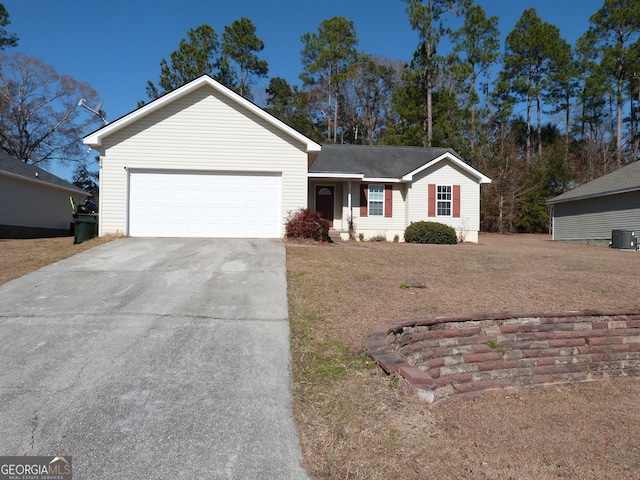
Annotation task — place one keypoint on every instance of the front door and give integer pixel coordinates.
(324, 202)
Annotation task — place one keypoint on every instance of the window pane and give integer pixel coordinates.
(376, 193)
(444, 200)
(444, 192)
(444, 209)
(376, 199)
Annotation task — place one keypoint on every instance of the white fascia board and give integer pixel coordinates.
(94, 140)
(468, 168)
(384, 180)
(353, 176)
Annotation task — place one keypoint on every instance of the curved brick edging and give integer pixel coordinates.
(449, 356)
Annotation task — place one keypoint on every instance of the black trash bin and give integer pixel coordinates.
(86, 227)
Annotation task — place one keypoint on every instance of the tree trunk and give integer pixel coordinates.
(539, 129)
(335, 120)
(501, 213)
(634, 116)
(429, 110)
(529, 100)
(429, 96)
(328, 114)
(619, 126)
(567, 126)
(473, 109)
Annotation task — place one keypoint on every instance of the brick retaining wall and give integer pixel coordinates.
(450, 356)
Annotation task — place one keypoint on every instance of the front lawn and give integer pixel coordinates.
(354, 422)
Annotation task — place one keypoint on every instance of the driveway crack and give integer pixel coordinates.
(33, 430)
(36, 414)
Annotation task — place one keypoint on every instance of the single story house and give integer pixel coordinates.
(384, 189)
(589, 213)
(33, 202)
(202, 161)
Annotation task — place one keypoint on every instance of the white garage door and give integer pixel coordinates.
(188, 204)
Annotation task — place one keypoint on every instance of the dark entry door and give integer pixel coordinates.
(324, 202)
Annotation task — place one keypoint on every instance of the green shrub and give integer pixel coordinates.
(430, 232)
(307, 224)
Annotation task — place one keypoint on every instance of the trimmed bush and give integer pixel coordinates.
(430, 232)
(307, 224)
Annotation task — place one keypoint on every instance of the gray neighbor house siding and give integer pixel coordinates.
(588, 213)
(33, 202)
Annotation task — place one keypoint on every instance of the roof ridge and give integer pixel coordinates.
(14, 166)
(618, 181)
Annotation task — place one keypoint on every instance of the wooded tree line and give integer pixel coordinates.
(535, 114)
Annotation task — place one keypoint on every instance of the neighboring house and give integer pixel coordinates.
(589, 213)
(385, 189)
(33, 202)
(202, 161)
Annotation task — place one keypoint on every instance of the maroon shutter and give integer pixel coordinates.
(456, 201)
(432, 200)
(388, 201)
(364, 200)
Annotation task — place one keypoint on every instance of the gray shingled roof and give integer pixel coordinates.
(625, 179)
(374, 161)
(11, 165)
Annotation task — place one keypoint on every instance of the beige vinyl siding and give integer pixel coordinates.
(595, 218)
(202, 131)
(380, 222)
(379, 225)
(446, 173)
(27, 203)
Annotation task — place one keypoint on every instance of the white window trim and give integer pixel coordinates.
(369, 199)
(438, 186)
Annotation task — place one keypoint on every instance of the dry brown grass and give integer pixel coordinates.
(18, 257)
(353, 421)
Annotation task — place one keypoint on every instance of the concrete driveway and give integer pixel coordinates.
(152, 358)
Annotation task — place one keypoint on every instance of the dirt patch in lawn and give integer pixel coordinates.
(18, 257)
(354, 422)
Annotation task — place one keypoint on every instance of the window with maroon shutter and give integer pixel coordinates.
(456, 201)
(364, 199)
(388, 201)
(432, 200)
(444, 201)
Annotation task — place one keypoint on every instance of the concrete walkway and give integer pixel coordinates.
(152, 358)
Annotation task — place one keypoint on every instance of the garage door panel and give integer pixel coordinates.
(181, 204)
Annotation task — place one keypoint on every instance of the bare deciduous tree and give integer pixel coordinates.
(39, 116)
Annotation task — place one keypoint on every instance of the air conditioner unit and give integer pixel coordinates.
(625, 239)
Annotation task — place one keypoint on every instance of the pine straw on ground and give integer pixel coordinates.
(352, 419)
